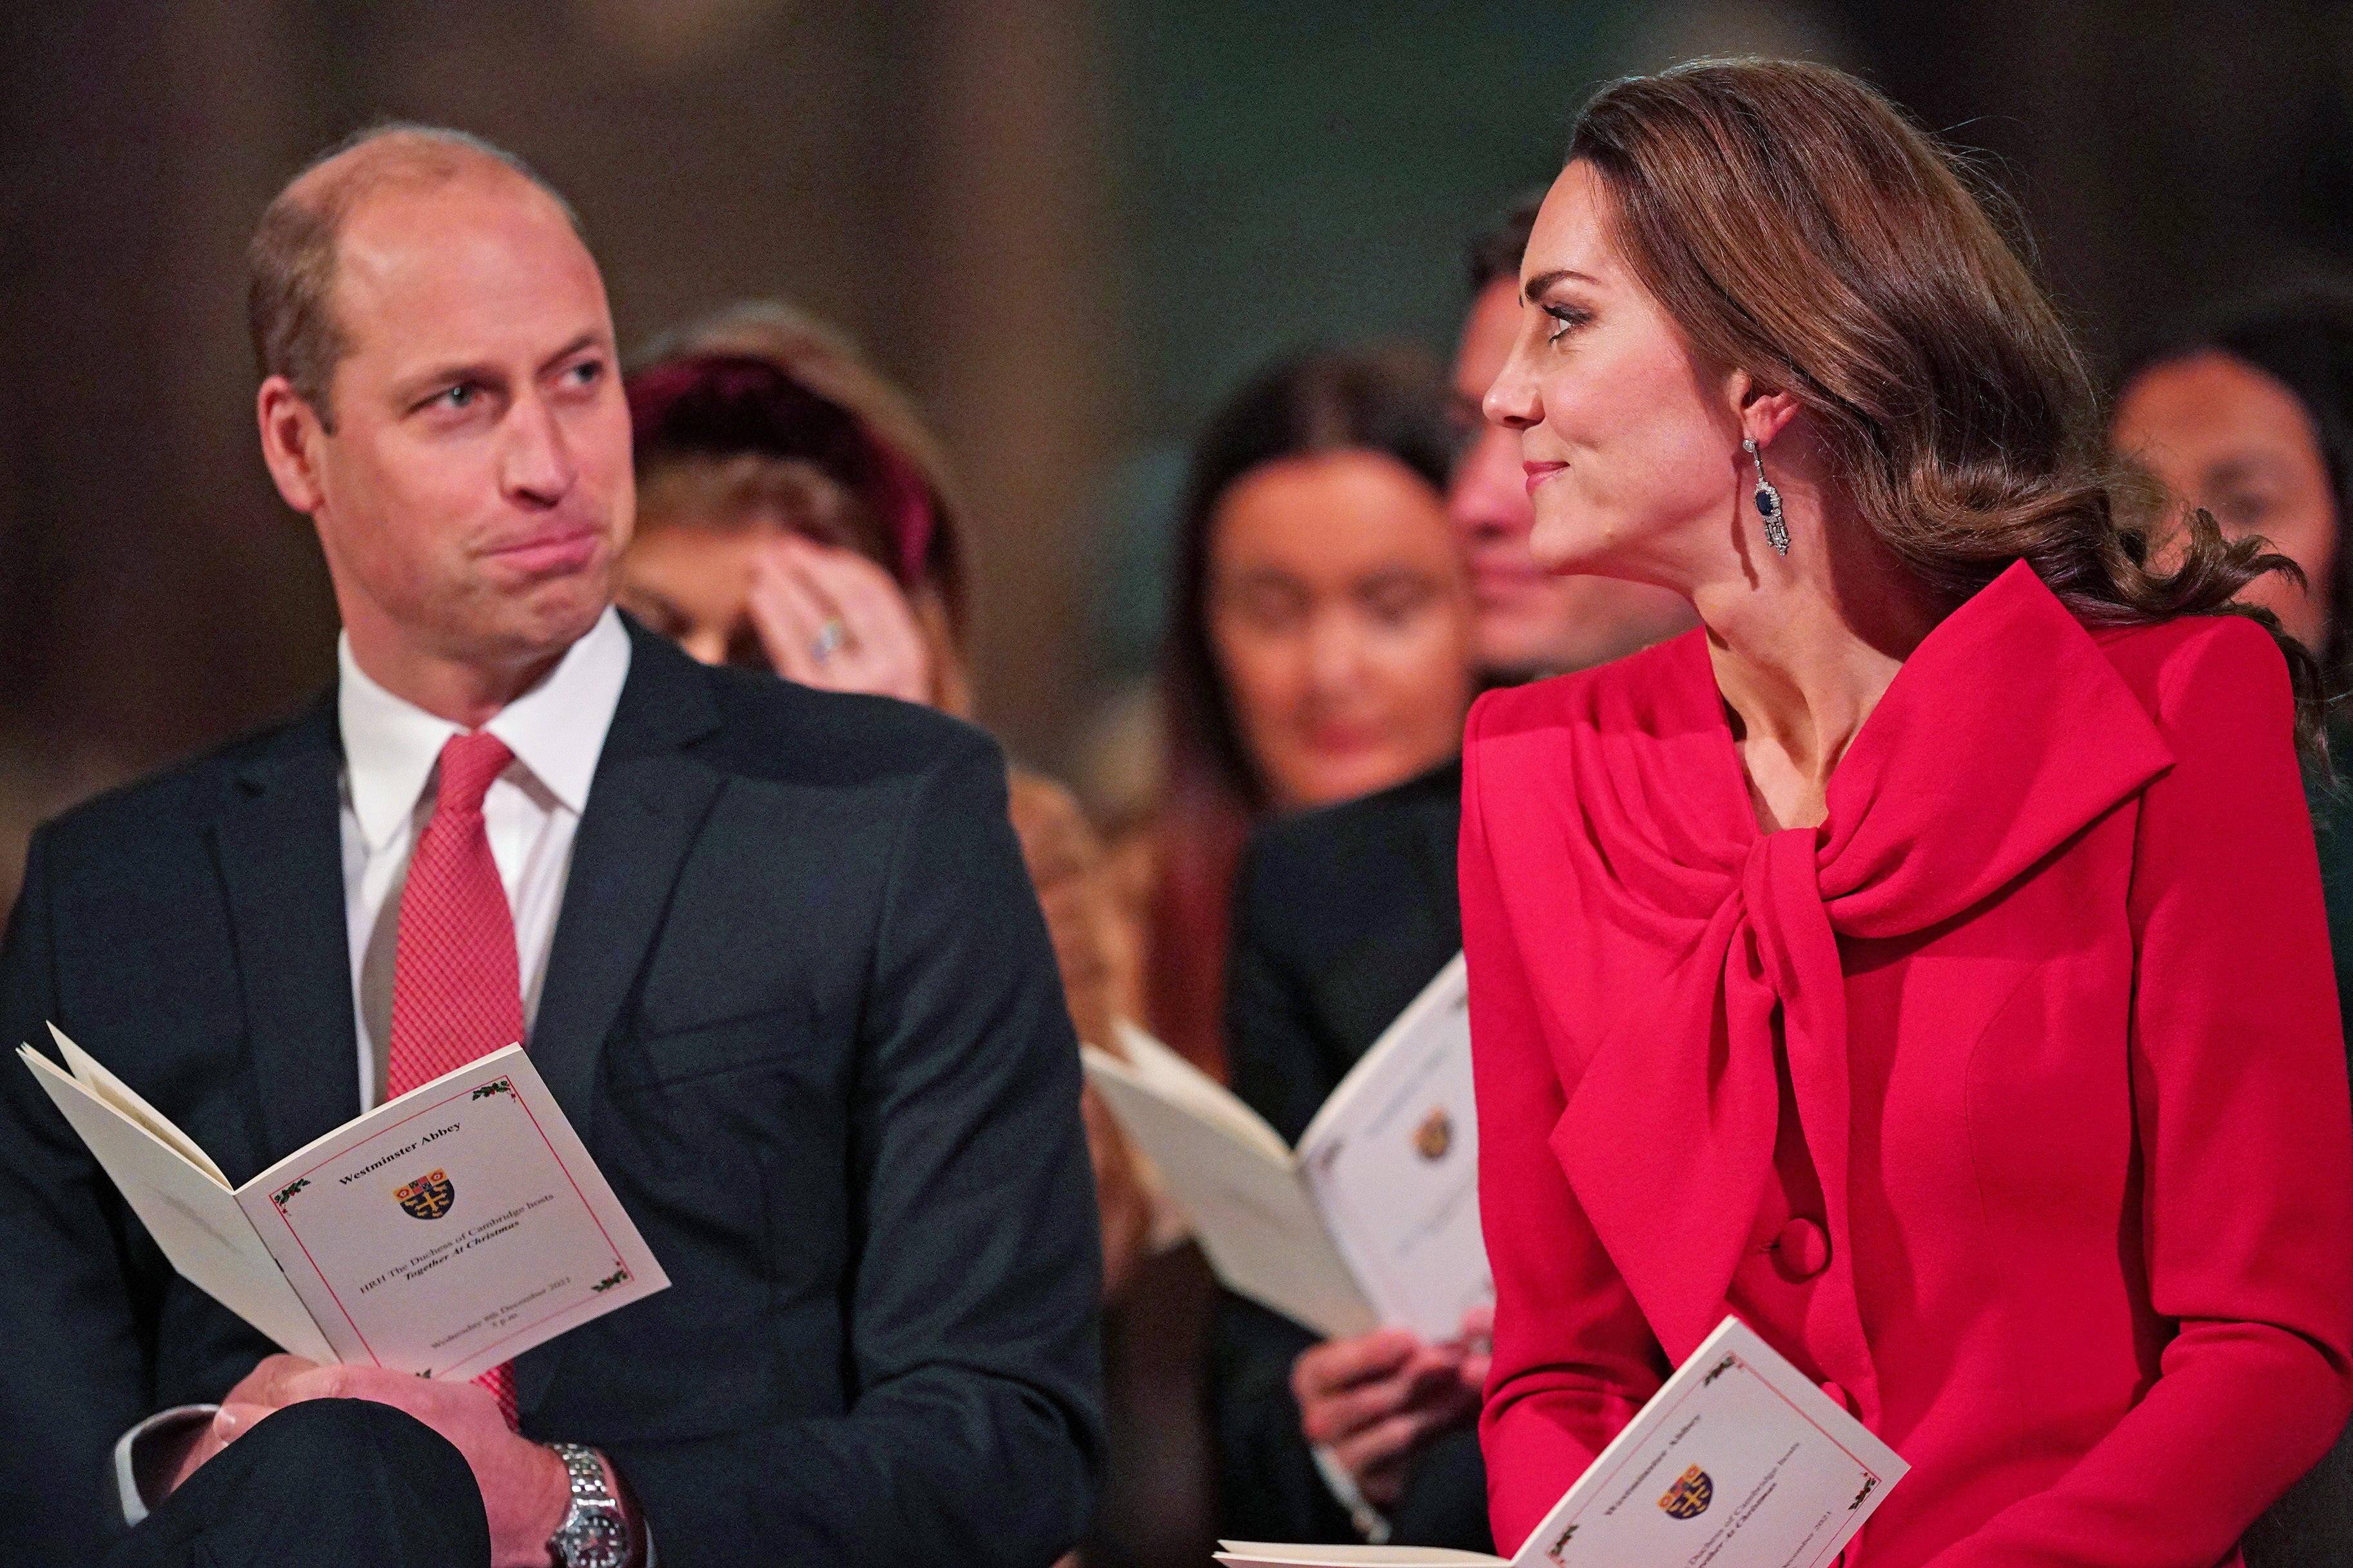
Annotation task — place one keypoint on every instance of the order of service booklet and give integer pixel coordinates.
(1374, 1219)
(1738, 1461)
(442, 1232)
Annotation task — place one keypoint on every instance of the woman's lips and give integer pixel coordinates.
(1539, 473)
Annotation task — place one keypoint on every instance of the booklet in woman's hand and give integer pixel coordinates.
(440, 1234)
(1738, 1461)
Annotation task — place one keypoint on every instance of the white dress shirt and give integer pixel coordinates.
(392, 749)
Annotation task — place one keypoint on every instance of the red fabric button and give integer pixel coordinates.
(1803, 1249)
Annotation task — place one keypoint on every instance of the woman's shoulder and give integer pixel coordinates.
(1606, 697)
(2188, 661)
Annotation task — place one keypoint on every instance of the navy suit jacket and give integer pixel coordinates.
(801, 1007)
(1341, 917)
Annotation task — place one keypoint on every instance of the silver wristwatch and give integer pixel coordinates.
(593, 1533)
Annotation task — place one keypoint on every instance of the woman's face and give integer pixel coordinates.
(2234, 440)
(692, 582)
(1341, 621)
(1630, 449)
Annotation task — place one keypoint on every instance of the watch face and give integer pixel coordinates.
(593, 1539)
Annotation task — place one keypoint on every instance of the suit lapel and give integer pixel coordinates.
(278, 841)
(644, 807)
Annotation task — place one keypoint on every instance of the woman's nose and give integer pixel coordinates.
(1511, 401)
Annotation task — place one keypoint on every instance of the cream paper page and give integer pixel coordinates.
(192, 1217)
(452, 1229)
(1737, 1462)
(1738, 1459)
(1393, 1161)
(1250, 1206)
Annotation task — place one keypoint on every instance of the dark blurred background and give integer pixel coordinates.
(1070, 226)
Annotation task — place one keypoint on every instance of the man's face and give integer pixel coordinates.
(1529, 622)
(476, 490)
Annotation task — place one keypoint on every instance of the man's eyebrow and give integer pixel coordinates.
(1544, 280)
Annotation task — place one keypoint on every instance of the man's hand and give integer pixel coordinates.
(1376, 1400)
(525, 1489)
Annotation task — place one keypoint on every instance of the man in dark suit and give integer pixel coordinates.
(772, 949)
(1341, 917)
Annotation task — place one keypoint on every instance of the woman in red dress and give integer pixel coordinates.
(1924, 959)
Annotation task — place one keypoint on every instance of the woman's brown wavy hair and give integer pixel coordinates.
(1796, 224)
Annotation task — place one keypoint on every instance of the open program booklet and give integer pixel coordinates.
(1738, 1461)
(440, 1234)
(1373, 1220)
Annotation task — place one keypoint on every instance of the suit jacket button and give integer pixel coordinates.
(1803, 1249)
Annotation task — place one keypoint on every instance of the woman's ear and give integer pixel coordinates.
(1762, 410)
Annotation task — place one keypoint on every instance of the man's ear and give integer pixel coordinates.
(292, 433)
(1762, 410)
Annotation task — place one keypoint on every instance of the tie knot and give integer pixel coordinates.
(469, 764)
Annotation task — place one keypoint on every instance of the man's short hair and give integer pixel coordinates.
(1496, 250)
(290, 265)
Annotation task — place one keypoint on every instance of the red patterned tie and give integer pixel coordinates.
(456, 988)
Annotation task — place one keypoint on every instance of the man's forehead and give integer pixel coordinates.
(472, 264)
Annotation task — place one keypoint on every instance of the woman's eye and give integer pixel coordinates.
(1565, 319)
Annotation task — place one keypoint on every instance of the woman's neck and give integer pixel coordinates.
(1803, 650)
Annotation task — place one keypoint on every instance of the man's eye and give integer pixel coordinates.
(586, 373)
(462, 395)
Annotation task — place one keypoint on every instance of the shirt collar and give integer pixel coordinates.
(556, 730)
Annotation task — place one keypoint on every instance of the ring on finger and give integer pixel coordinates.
(829, 639)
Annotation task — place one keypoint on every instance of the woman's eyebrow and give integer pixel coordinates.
(1542, 281)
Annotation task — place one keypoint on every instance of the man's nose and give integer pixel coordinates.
(537, 468)
(1489, 494)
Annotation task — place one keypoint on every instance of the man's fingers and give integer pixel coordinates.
(1335, 1417)
(1381, 1446)
(1336, 1365)
(231, 1422)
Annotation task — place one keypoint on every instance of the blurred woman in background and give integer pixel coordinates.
(1320, 647)
(2248, 413)
(795, 515)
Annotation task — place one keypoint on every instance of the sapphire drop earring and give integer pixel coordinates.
(1768, 504)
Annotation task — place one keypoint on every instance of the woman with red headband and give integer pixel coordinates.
(794, 514)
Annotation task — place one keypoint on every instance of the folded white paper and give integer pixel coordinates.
(440, 1234)
(1737, 1462)
(1373, 1220)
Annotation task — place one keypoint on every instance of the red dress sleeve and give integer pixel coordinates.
(1574, 1358)
(2246, 1144)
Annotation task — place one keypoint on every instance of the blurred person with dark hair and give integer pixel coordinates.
(795, 514)
(1319, 647)
(1320, 653)
(2247, 411)
(1924, 958)
(772, 947)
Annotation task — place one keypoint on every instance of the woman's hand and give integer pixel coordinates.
(832, 618)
